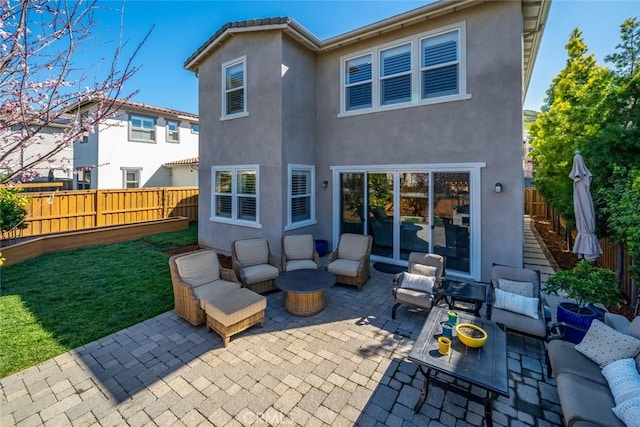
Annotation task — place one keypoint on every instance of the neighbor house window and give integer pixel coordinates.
(195, 128)
(423, 69)
(142, 128)
(301, 197)
(235, 195)
(234, 99)
(84, 179)
(131, 177)
(173, 131)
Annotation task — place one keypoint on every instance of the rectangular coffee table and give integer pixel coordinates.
(484, 367)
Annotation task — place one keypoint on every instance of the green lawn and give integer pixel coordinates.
(57, 302)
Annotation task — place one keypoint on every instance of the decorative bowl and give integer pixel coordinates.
(471, 335)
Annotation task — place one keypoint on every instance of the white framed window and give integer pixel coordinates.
(173, 131)
(301, 205)
(234, 94)
(131, 177)
(236, 195)
(195, 128)
(423, 69)
(84, 179)
(142, 128)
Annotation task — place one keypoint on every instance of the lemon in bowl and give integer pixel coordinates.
(471, 335)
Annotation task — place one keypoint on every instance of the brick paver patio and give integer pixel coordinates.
(344, 366)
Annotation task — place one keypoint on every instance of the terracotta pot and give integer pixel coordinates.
(575, 315)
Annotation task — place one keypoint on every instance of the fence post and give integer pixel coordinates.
(99, 208)
(165, 202)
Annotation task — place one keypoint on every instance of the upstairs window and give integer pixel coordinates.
(234, 102)
(195, 128)
(423, 69)
(440, 65)
(395, 75)
(235, 195)
(142, 128)
(301, 205)
(173, 131)
(358, 83)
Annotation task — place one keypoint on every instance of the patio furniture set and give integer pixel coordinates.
(598, 379)
(230, 300)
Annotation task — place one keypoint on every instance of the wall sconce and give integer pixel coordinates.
(498, 188)
(325, 183)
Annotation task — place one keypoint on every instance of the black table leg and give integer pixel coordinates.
(425, 390)
(488, 408)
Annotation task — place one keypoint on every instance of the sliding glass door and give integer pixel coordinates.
(408, 211)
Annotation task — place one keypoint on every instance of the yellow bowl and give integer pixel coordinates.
(468, 340)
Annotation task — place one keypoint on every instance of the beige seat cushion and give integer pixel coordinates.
(520, 322)
(301, 264)
(214, 290)
(352, 247)
(299, 247)
(236, 306)
(413, 297)
(259, 273)
(252, 252)
(344, 267)
(199, 268)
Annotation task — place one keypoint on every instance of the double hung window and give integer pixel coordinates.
(301, 205)
(422, 69)
(84, 179)
(195, 128)
(173, 131)
(142, 128)
(234, 99)
(131, 177)
(235, 195)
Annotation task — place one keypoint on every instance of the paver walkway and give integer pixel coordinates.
(345, 366)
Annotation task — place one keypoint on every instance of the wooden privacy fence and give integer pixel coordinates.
(60, 211)
(534, 205)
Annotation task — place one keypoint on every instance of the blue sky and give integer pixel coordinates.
(182, 26)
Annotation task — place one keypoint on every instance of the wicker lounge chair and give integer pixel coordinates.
(350, 262)
(299, 252)
(254, 264)
(198, 277)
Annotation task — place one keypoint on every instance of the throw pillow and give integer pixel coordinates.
(425, 270)
(521, 288)
(623, 379)
(517, 303)
(629, 412)
(418, 282)
(605, 345)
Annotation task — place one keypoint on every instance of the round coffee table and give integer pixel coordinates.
(305, 290)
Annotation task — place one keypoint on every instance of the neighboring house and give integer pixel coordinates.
(401, 129)
(131, 149)
(184, 173)
(56, 168)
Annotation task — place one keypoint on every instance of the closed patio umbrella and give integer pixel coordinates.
(586, 244)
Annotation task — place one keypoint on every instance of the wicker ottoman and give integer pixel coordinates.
(236, 311)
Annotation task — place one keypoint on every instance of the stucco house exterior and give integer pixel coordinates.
(130, 149)
(184, 172)
(408, 129)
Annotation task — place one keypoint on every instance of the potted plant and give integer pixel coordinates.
(587, 285)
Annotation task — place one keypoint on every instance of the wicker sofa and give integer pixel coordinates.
(585, 396)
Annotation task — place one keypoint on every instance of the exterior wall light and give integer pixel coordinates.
(325, 183)
(498, 188)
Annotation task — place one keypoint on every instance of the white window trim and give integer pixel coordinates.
(416, 98)
(223, 88)
(381, 78)
(311, 221)
(124, 170)
(195, 132)
(130, 129)
(234, 196)
(166, 135)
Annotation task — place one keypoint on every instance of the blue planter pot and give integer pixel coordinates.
(567, 313)
(322, 247)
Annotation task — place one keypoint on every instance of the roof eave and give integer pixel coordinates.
(532, 35)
